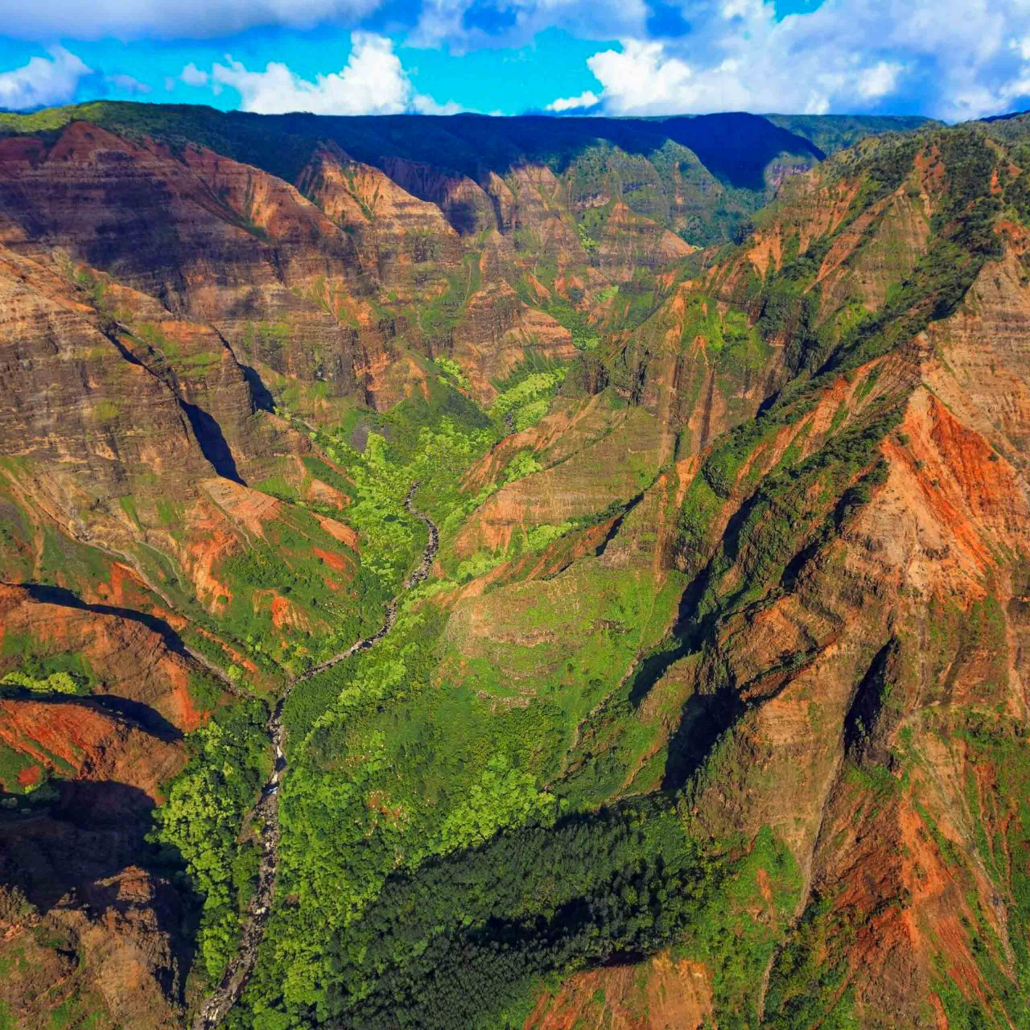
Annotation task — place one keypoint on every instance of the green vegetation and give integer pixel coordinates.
(453, 369)
(963, 239)
(807, 981)
(529, 902)
(833, 132)
(438, 319)
(106, 410)
(198, 827)
(54, 683)
(735, 945)
(526, 398)
(294, 561)
(503, 796)
(61, 673)
(459, 943)
(15, 767)
(997, 742)
(381, 476)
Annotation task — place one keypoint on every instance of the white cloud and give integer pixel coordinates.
(958, 59)
(879, 80)
(644, 78)
(373, 82)
(422, 104)
(193, 76)
(127, 84)
(42, 82)
(185, 19)
(585, 99)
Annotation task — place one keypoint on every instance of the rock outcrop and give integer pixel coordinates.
(89, 921)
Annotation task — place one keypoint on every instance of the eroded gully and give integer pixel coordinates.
(266, 812)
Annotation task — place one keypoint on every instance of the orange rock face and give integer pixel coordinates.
(661, 993)
(88, 745)
(132, 660)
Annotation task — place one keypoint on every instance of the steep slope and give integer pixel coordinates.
(400, 238)
(92, 923)
(212, 240)
(849, 667)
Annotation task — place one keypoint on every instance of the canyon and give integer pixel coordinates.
(686, 461)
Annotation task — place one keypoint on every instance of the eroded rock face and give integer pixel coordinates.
(397, 235)
(151, 299)
(136, 658)
(118, 412)
(845, 700)
(597, 458)
(211, 239)
(466, 205)
(92, 747)
(90, 917)
(661, 992)
(987, 346)
(200, 232)
(631, 242)
(110, 952)
(498, 332)
(84, 905)
(72, 392)
(325, 282)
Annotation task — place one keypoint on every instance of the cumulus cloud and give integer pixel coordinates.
(586, 99)
(42, 82)
(961, 58)
(373, 82)
(879, 80)
(185, 19)
(422, 104)
(193, 76)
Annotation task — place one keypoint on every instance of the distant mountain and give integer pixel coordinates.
(833, 132)
(1010, 116)
(699, 176)
(648, 161)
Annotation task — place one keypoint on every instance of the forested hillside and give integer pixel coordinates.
(522, 573)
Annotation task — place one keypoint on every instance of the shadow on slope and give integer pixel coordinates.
(735, 147)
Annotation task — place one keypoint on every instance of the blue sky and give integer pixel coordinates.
(951, 59)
